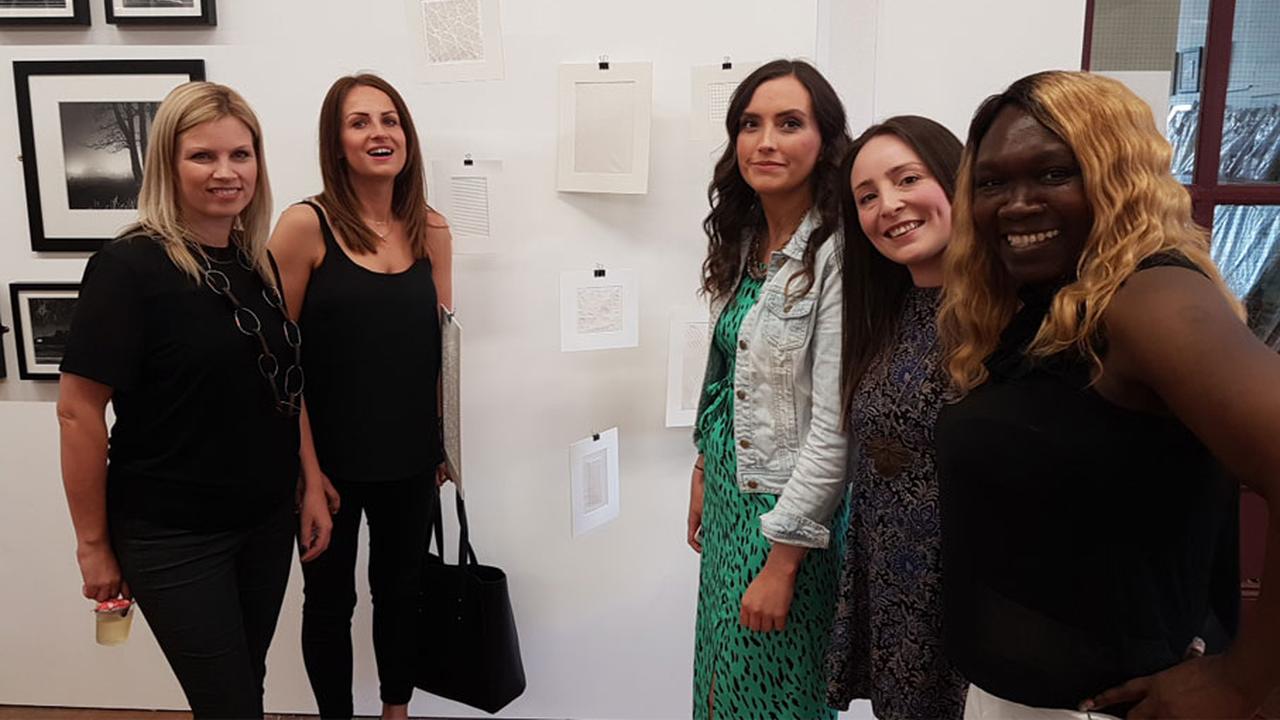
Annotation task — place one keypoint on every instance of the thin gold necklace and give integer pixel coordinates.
(375, 224)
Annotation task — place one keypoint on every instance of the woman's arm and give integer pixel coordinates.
(298, 246)
(1170, 331)
(82, 425)
(801, 517)
(812, 494)
(440, 245)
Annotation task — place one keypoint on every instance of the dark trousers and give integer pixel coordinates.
(212, 600)
(397, 514)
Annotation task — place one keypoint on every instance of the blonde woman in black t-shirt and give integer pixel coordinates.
(366, 267)
(188, 508)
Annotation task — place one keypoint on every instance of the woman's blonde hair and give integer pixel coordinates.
(160, 214)
(1139, 210)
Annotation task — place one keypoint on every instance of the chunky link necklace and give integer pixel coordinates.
(288, 404)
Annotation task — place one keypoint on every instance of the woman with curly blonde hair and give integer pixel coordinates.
(1110, 395)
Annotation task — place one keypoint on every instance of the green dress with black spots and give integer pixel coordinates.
(776, 675)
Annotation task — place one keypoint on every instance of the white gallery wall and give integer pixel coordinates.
(606, 619)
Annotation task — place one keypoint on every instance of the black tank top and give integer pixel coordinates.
(1084, 544)
(372, 361)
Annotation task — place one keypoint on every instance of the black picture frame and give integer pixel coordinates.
(41, 341)
(81, 202)
(206, 13)
(40, 16)
(1187, 71)
(4, 330)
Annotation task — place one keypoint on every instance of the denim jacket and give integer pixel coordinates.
(786, 407)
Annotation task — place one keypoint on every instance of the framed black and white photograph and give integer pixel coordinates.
(42, 322)
(44, 12)
(83, 126)
(162, 12)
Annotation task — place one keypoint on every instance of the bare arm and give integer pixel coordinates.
(440, 245)
(1173, 334)
(298, 247)
(82, 428)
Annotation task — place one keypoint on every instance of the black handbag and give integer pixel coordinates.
(468, 650)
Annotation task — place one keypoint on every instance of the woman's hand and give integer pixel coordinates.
(694, 530)
(768, 599)
(1202, 687)
(100, 572)
(442, 474)
(319, 502)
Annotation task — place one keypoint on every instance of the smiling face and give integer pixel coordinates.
(778, 138)
(217, 175)
(901, 207)
(373, 141)
(1029, 199)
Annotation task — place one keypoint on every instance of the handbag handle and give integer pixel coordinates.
(466, 554)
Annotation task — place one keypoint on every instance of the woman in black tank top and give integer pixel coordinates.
(1089, 529)
(366, 265)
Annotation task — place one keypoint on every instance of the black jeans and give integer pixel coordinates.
(397, 514)
(212, 600)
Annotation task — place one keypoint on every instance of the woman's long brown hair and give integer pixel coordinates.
(735, 209)
(408, 199)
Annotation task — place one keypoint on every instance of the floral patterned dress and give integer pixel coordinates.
(886, 642)
(742, 673)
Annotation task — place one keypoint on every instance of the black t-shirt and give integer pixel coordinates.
(197, 441)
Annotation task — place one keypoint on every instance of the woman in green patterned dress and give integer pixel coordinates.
(761, 510)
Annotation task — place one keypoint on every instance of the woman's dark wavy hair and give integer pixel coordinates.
(735, 208)
(875, 287)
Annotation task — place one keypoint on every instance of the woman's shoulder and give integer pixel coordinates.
(301, 216)
(137, 246)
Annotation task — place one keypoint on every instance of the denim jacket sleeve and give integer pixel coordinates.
(809, 499)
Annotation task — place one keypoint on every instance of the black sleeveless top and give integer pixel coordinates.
(1084, 544)
(372, 360)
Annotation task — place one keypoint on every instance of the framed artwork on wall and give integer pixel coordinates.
(162, 12)
(1187, 71)
(4, 330)
(42, 321)
(44, 12)
(83, 128)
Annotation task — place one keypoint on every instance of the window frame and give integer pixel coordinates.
(1207, 193)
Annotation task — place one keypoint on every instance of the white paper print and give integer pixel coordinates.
(687, 346)
(593, 481)
(608, 108)
(470, 205)
(718, 96)
(452, 29)
(466, 195)
(460, 39)
(604, 127)
(595, 494)
(713, 87)
(599, 312)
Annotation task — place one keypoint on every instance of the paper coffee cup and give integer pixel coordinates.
(113, 620)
